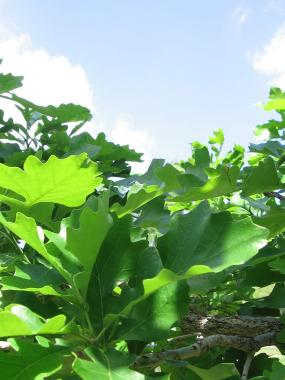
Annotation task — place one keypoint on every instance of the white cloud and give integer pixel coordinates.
(141, 140)
(240, 14)
(49, 79)
(53, 79)
(270, 60)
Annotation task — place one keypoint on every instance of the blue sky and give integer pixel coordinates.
(172, 70)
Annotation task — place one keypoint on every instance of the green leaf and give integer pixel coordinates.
(213, 239)
(154, 215)
(261, 178)
(205, 282)
(260, 274)
(64, 113)
(34, 278)
(151, 286)
(272, 129)
(152, 319)
(278, 265)
(111, 151)
(273, 220)
(271, 147)
(262, 292)
(270, 351)
(202, 156)
(100, 149)
(278, 370)
(148, 179)
(276, 100)
(64, 181)
(138, 196)
(218, 372)
(168, 175)
(218, 137)
(222, 183)
(84, 236)
(275, 299)
(43, 214)
(31, 361)
(118, 261)
(27, 230)
(8, 260)
(18, 320)
(9, 82)
(106, 365)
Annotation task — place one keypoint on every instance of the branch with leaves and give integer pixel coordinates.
(101, 261)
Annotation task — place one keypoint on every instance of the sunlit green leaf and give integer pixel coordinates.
(82, 236)
(31, 361)
(107, 365)
(137, 197)
(213, 239)
(26, 228)
(218, 372)
(261, 178)
(224, 182)
(153, 318)
(18, 320)
(66, 181)
(273, 220)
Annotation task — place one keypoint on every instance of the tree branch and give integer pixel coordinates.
(243, 326)
(241, 343)
(246, 366)
(274, 194)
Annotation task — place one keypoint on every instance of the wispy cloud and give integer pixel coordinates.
(276, 6)
(241, 14)
(270, 59)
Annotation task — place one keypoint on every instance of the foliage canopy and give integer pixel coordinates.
(106, 274)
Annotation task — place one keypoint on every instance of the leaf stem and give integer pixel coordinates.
(13, 241)
(84, 311)
(101, 333)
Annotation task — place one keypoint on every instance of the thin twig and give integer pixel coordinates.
(13, 241)
(247, 364)
(180, 338)
(274, 194)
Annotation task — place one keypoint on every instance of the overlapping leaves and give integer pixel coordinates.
(97, 264)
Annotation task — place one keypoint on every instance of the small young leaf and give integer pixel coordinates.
(9, 82)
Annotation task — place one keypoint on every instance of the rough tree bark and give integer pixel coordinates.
(234, 325)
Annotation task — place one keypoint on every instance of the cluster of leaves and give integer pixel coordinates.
(99, 265)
